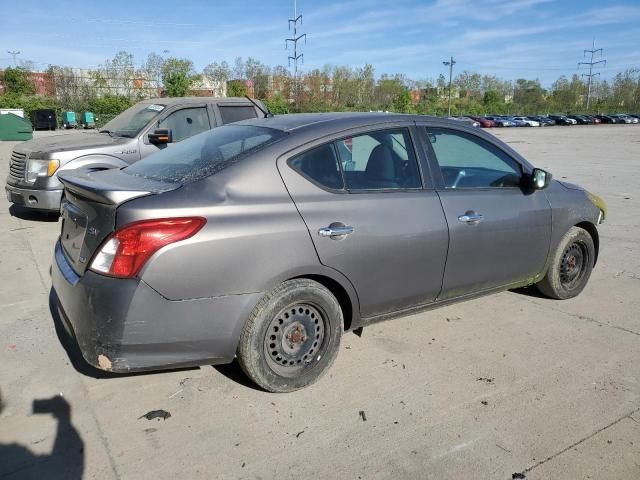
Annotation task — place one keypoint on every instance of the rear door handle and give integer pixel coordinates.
(471, 217)
(335, 231)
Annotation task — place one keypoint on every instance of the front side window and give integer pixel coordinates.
(230, 114)
(186, 123)
(467, 161)
(204, 154)
(379, 160)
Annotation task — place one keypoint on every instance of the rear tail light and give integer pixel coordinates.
(126, 250)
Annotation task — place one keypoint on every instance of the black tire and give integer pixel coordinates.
(292, 336)
(570, 267)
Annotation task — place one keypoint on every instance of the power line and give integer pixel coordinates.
(296, 38)
(450, 64)
(14, 55)
(591, 63)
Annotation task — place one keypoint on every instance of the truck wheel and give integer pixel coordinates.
(570, 267)
(292, 336)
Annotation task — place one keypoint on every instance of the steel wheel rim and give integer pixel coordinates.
(295, 339)
(572, 265)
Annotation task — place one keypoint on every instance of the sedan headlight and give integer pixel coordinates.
(41, 168)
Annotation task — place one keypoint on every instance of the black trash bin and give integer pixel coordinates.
(44, 119)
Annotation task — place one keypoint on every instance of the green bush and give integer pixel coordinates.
(277, 105)
(109, 105)
(29, 103)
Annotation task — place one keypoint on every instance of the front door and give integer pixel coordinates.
(369, 217)
(499, 233)
(183, 123)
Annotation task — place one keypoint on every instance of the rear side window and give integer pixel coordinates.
(204, 154)
(319, 165)
(379, 160)
(232, 114)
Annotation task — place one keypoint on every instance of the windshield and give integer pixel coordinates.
(205, 154)
(131, 121)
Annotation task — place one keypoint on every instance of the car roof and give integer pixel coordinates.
(338, 120)
(186, 100)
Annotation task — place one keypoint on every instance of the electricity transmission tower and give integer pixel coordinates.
(14, 55)
(295, 39)
(591, 63)
(450, 64)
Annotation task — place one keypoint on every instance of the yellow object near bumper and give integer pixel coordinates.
(598, 202)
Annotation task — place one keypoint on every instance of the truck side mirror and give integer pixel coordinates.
(160, 136)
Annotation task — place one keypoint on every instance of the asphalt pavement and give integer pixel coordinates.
(510, 383)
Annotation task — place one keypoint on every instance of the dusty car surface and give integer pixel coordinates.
(146, 128)
(266, 239)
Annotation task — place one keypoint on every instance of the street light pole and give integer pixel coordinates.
(450, 64)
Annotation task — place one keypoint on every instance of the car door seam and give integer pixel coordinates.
(446, 257)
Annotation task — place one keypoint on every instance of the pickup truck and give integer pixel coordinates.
(145, 128)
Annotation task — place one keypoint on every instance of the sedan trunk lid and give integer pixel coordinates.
(89, 211)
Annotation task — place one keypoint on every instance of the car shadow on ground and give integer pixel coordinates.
(530, 291)
(32, 215)
(78, 362)
(66, 460)
(234, 372)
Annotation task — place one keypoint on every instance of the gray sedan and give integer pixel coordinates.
(266, 239)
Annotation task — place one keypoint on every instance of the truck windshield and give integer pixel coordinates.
(131, 121)
(205, 154)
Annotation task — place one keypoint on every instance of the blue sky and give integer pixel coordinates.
(509, 38)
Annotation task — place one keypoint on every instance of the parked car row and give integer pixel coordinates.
(489, 121)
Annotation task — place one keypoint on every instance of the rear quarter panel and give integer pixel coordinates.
(254, 237)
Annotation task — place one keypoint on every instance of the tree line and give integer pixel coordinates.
(118, 83)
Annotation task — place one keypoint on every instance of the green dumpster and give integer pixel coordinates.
(87, 120)
(13, 127)
(69, 120)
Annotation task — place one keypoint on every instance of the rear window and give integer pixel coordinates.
(205, 154)
(232, 114)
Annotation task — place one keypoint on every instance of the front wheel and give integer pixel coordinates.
(292, 336)
(570, 267)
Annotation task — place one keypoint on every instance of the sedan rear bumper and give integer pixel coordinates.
(125, 325)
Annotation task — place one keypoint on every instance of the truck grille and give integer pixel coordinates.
(17, 165)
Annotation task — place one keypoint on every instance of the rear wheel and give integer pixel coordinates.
(292, 336)
(570, 267)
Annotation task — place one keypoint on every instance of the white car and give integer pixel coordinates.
(528, 121)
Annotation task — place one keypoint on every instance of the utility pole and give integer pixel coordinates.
(14, 55)
(591, 63)
(296, 38)
(450, 64)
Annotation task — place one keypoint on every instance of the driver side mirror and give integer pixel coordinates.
(540, 179)
(160, 136)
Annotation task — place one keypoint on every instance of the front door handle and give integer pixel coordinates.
(471, 217)
(335, 231)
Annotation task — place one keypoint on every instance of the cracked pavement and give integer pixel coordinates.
(508, 383)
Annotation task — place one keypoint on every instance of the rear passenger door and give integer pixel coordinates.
(370, 216)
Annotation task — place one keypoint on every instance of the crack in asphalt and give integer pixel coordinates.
(582, 440)
(582, 317)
